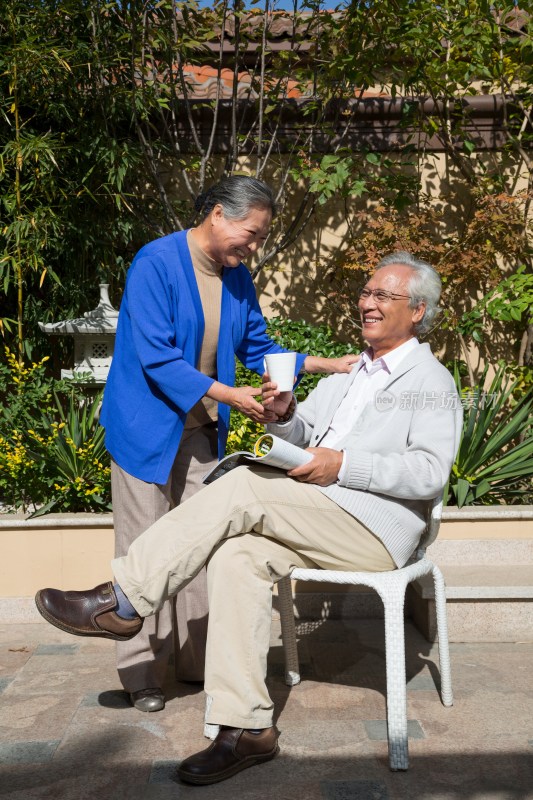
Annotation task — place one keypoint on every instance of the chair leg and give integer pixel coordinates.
(288, 632)
(396, 679)
(442, 630)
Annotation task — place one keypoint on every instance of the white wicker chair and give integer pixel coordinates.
(391, 587)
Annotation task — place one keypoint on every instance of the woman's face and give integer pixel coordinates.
(234, 240)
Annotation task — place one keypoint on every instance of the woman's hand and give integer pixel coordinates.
(242, 398)
(330, 365)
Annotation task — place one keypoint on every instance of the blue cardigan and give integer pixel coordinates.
(153, 382)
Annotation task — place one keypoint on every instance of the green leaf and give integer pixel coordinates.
(462, 491)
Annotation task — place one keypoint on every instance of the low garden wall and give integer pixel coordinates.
(75, 550)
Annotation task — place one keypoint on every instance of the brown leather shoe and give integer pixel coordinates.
(233, 750)
(90, 613)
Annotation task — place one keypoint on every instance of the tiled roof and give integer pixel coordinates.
(205, 81)
(517, 19)
(284, 32)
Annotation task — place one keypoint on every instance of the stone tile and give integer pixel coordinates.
(36, 716)
(119, 736)
(422, 683)
(303, 739)
(28, 752)
(31, 634)
(164, 772)
(376, 729)
(116, 699)
(353, 790)
(57, 650)
(4, 682)
(13, 656)
(480, 749)
(504, 717)
(327, 701)
(60, 780)
(66, 672)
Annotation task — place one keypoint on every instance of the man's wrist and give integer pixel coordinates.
(288, 415)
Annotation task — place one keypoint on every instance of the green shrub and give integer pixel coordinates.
(72, 459)
(52, 453)
(495, 459)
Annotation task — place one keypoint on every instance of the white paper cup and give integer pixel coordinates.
(281, 367)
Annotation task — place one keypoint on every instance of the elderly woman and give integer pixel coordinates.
(189, 307)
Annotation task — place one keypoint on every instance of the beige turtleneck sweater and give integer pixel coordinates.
(209, 279)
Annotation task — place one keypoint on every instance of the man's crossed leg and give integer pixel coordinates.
(250, 527)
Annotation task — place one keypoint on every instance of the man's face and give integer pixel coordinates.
(387, 325)
(233, 241)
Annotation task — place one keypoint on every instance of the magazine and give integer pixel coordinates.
(268, 449)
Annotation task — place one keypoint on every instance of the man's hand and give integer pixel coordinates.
(273, 400)
(323, 469)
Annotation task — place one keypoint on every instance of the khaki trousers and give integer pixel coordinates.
(251, 527)
(143, 661)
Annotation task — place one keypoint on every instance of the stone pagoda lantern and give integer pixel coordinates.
(94, 340)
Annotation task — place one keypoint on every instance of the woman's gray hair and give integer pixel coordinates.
(425, 286)
(238, 195)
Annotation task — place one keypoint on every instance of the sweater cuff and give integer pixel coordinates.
(343, 471)
(357, 472)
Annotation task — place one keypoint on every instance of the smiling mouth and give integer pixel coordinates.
(371, 320)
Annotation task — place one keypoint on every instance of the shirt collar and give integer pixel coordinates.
(390, 360)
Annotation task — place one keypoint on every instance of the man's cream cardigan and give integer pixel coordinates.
(399, 452)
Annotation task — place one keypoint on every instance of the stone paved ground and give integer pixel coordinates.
(67, 731)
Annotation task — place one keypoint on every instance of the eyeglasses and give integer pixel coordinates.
(381, 295)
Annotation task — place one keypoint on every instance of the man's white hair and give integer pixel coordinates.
(425, 286)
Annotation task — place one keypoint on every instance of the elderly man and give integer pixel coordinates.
(383, 440)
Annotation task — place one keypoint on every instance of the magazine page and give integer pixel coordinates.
(276, 452)
(268, 449)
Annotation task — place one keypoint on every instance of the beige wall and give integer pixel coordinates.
(294, 285)
(65, 558)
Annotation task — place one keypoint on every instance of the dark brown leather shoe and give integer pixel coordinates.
(233, 750)
(90, 613)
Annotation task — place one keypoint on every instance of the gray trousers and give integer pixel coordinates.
(143, 662)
